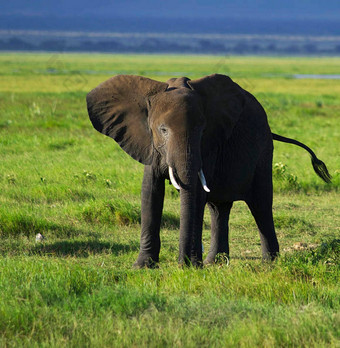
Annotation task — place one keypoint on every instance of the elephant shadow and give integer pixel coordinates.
(82, 249)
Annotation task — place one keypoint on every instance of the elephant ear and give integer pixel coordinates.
(223, 99)
(118, 108)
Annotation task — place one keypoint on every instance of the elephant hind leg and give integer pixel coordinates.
(219, 230)
(260, 204)
(264, 220)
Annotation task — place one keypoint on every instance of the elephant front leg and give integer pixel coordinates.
(152, 207)
(196, 250)
(219, 231)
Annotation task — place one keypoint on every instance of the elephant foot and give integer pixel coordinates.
(196, 263)
(196, 260)
(219, 258)
(190, 262)
(208, 261)
(145, 262)
(270, 256)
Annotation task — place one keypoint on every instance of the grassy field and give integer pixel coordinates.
(61, 178)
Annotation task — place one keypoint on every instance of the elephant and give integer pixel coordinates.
(211, 139)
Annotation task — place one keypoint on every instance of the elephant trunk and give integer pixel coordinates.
(187, 225)
(183, 173)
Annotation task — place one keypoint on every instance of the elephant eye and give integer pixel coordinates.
(163, 130)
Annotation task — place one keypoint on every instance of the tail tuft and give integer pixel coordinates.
(321, 170)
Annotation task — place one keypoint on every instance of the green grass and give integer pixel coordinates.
(61, 178)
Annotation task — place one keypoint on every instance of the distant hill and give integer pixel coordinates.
(248, 17)
(228, 25)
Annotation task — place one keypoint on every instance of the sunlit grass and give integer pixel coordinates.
(61, 178)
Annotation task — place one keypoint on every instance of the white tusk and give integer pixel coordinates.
(203, 181)
(173, 180)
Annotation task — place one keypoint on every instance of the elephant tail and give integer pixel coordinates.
(319, 167)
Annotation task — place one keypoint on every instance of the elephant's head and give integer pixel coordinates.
(163, 123)
(148, 118)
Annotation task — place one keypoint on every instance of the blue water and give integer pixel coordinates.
(315, 76)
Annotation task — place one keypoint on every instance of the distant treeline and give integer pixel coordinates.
(159, 45)
(232, 24)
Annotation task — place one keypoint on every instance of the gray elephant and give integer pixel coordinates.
(211, 139)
